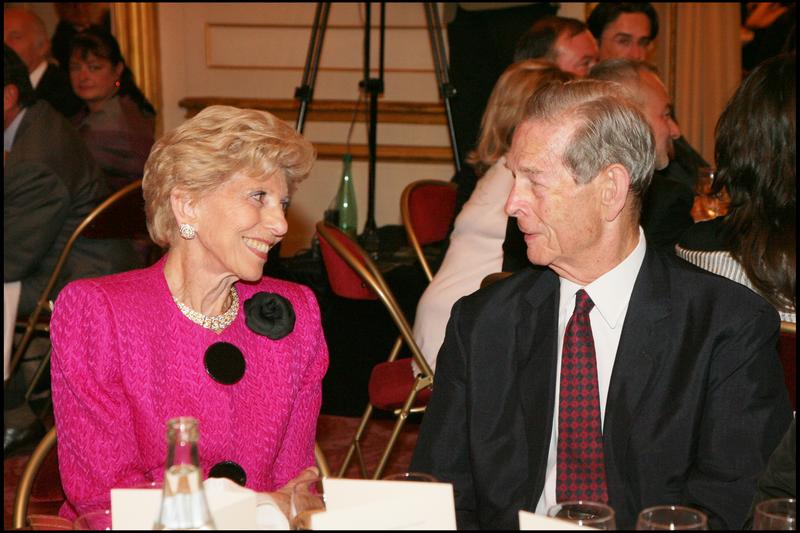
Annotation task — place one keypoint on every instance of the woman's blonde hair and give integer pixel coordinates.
(506, 108)
(208, 149)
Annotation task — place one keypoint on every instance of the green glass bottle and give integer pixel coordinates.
(346, 199)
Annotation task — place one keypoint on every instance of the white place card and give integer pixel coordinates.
(369, 504)
(536, 522)
(232, 507)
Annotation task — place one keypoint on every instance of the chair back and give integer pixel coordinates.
(118, 216)
(349, 255)
(427, 208)
(787, 350)
(45, 452)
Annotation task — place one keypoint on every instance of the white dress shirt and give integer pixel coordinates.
(611, 294)
(38, 72)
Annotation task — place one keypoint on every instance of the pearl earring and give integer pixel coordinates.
(187, 231)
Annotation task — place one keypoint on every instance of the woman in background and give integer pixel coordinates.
(754, 244)
(200, 333)
(476, 243)
(117, 122)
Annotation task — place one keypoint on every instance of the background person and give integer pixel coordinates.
(25, 33)
(116, 121)
(560, 40)
(754, 244)
(624, 29)
(476, 243)
(200, 333)
(597, 378)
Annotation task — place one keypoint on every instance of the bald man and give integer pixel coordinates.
(26, 34)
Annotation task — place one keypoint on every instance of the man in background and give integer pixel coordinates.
(25, 33)
(624, 29)
(560, 40)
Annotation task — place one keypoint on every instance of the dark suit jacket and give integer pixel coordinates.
(55, 88)
(695, 405)
(50, 184)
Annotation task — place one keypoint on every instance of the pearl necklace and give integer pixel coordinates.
(214, 323)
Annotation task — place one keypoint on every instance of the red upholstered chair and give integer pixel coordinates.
(39, 490)
(427, 208)
(787, 349)
(392, 384)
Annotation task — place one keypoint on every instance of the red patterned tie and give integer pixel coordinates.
(581, 471)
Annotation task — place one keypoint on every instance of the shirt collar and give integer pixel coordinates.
(11, 131)
(38, 72)
(611, 292)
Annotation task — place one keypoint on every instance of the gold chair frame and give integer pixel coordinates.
(37, 458)
(405, 213)
(368, 271)
(788, 327)
(31, 325)
(26, 480)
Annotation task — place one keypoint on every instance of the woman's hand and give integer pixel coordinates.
(283, 496)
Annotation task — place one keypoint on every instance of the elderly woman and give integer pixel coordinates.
(476, 243)
(117, 122)
(200, 333)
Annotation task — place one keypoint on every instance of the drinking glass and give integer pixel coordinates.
(584, 513)
(94, 520)
(671, 517)
(308, 498)
(775, 514)
(411, 476)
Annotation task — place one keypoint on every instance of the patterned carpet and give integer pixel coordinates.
(333, 435)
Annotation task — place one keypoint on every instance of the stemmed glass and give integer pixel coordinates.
(671, 517)
(775, 514)
(308, 498)
(584, 513)
(411, 476)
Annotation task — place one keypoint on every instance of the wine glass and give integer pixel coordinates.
(778, 513)
(671, 517)
(411, 476)
(584, 513)
(308, 498)
(94, 520)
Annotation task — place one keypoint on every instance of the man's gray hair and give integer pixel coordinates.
(608, 129)
(626, 72)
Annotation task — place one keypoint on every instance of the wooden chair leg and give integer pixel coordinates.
(322, 462)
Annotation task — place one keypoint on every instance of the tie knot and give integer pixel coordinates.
(583, 304)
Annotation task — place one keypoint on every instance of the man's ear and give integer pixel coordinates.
(184, 206)
(615, 182)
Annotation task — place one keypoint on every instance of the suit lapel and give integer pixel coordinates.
(643, 333)
(536, 345)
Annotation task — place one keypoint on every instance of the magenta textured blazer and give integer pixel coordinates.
(125, 360)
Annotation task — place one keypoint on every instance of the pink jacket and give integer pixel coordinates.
(125, 360)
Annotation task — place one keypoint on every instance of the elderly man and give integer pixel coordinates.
(25, 33)
(563, 41)
(623, 29)
(615, 374)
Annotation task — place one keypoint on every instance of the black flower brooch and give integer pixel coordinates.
(269, 314)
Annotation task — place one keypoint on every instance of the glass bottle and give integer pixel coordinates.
(343, 211)
(183, 501)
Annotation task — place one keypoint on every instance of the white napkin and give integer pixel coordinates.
(268, 515)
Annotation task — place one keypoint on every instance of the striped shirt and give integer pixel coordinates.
(722, 263)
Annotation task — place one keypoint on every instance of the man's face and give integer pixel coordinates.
(657, 109)
(561, 220)
(628, 37)
(576, 54)
(21, 34)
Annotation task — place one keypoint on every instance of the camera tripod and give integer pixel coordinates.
(374, 87)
